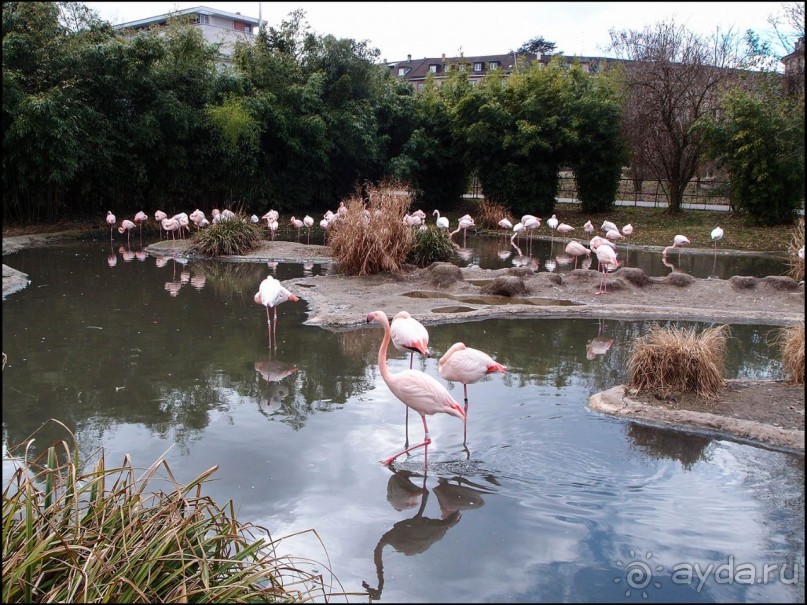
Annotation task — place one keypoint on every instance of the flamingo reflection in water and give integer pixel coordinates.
(273, 371)
(416, 534)
(600, 344)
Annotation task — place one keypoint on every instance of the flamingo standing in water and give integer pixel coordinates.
(308, 222)
(464, 223)
(717, 235)
(297, 224)
(270, 294)
(466, 365)
(416, 389)
(160, 216)
(140, 218)
(126, 225)
(409, 336)
(110, 220)
(506, 225)
(576, 249)
(552, 223)
(678, 242)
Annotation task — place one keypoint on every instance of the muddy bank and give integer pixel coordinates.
(768, 412)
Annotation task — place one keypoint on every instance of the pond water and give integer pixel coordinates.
(490, 252)
(545, 501)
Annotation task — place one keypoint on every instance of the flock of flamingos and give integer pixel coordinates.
(417, 390)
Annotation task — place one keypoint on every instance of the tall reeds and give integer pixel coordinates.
(670, 360)
(104, 536)
(796, 270)
(791, 346)
(372, 237)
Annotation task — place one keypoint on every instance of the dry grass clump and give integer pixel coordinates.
(372, 236)
(103, 536)
(796, 270)
(791, 345)
(489, 214)
(679, 360)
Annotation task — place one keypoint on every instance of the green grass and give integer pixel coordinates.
(105, 536)
(429, 246)
(236, 236)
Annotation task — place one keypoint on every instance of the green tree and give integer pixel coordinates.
(538, 45)
(759, 138)
(432, 160)
(597, 152)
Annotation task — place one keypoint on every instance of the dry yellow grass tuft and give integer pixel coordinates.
(679, 360)
(372, 236)
(791, 345)
(488, 214)
(796, 241)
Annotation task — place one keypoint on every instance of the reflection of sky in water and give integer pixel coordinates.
(565, 493)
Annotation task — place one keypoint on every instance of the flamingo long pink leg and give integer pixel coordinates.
(426, 441)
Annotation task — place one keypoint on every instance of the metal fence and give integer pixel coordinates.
(653, 193)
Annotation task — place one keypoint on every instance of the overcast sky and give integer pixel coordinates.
(429, 29)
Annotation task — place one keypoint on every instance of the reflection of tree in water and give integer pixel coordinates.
(416, 534)
(665, 443)
(231, 280)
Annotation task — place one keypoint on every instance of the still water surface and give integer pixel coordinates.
(546, 501)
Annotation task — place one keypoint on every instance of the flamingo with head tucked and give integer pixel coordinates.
(126, 225)
(576, 249)
(466, 365)
(417, 390)
(606, 256)
(110, 220)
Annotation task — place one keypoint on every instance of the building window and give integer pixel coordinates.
(494, 65)
(477, 66)
(462, 66)
(202, 20)
(401, 71)
(433, 68)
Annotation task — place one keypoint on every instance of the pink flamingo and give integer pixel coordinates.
(409, 336)
(170, 224)
(126, 225)
(678, 242)
(110, 220)
(297, 224)
(308, 221)
(140, 218)
(416, 389)
(270, 294)
(606, 255)
(160, 216)
(506, 225)
(576, 249)
(464, 223)
(466, 365)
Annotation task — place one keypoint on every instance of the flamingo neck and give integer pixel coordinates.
(382, 352)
